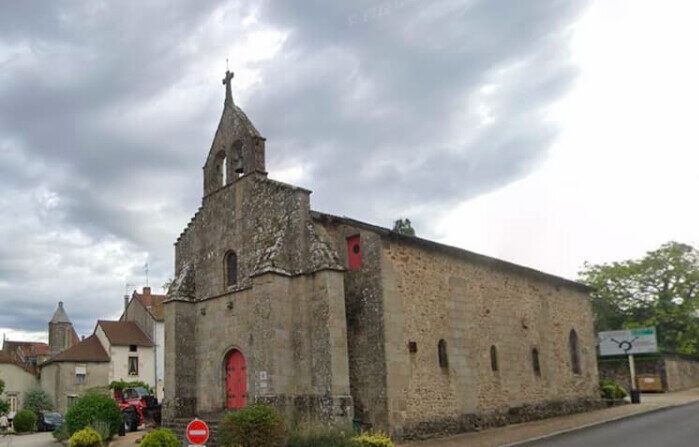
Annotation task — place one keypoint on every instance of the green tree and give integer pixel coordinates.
(661, 289)
(4, 405)
(37, 400)
(403, 226)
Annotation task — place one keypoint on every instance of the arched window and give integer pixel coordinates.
(221, 169)
(493, 358)
(574, 352)
(231, 268)
(442, 353)
(238, 156)
(536, 366)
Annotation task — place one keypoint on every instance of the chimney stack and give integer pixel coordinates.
(126, 302)
(146, 291)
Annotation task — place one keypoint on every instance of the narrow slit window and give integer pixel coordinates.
(442, 353)
(231, 269)
(574, 352)
(493, 358)
(536, 366)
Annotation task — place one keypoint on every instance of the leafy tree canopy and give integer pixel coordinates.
(403, 226)
(661, 289)
(2, 386)
(37, 400)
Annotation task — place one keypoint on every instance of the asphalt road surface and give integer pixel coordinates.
(34, 440)
(673, 427)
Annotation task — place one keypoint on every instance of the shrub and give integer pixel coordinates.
(253, 426)
(37, 400)
(4, 406)
(61, 433)
(611, 390)
(102, 428)
(91, 408)
(160, 437)
(25, 421)
(86, 437)
(372, 440)
(320, 435)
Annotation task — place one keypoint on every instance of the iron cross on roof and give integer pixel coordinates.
(227, 83)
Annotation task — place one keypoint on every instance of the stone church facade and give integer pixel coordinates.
(329, 318)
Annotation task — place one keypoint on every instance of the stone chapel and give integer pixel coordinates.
(331, 319)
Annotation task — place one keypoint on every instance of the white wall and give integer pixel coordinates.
(17, 382)
(119, 365)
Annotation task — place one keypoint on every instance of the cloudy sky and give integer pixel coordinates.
(547, 133)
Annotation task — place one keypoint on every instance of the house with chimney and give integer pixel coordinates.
(146, 310)
(116, 350)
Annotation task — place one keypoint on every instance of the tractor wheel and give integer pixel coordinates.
(131, 420)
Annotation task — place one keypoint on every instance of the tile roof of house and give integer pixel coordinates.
(152, 303)
(88, 350)
(27, 348)
(124, 333)
(12, 359)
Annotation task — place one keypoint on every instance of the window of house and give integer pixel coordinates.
(442, 353)
(574, 352)
(493, 358)
(354, 253)
(231, 268)
(536, 366)
(412, 347)
(13, 403)
(133, 366)
(70, 399)
(80, 373)
(133, 348)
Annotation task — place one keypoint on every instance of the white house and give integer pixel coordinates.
(131, 351)
(146, 310)
(19, 378)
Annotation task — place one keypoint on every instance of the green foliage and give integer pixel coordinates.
(661, 290)
(161, 437)
(119, 385)
(612, 390)
(320, 435)
(37, 400)
(25, 421)
(102, 428)
(86, 437)
(372, 440)
(4, 406)
(253, 426)
(61, 433)
(2, 386)
(103, 390)
(93, 407)
(404, 226)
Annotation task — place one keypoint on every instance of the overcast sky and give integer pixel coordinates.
(547, 133)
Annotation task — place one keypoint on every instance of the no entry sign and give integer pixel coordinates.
(197, 432)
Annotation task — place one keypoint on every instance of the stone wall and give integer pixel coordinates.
(58, 379)
(676, 372)
(409, 292)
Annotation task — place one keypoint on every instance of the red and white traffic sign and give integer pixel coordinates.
(197, 432)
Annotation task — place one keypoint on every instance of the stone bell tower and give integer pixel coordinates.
(61, 332)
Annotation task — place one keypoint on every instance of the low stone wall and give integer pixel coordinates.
(677, 372)
(514, 415)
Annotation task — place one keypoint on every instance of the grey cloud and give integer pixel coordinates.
(374, 99)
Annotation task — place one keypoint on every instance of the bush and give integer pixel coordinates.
(61, 433)
(319, 435)
(611, 390)
(86, 437)
(37, 400)
(91, 408)
(102, 428)
(372, 440)
(25, 421)
(161, 437)
(254, 426)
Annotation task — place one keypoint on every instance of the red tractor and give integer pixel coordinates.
(137, 406)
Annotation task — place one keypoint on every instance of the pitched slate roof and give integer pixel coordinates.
(120, 333)
(60, 315)
(88, 350)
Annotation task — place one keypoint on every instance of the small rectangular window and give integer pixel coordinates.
(354, 253)
(133, 366)
(133, 348)
(412, 347)
(80, 378)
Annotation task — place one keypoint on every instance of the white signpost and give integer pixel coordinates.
(629, 342)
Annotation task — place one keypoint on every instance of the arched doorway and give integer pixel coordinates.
(236, 380)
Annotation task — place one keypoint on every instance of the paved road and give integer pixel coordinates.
(673, 427)
(33, 440)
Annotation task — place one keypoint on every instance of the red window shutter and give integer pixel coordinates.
(354, 252)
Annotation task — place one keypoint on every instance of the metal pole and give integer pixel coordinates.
(635, 394)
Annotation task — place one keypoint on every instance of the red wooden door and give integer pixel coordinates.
(236, 380)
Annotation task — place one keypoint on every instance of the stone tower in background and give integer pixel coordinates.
(62, 335)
